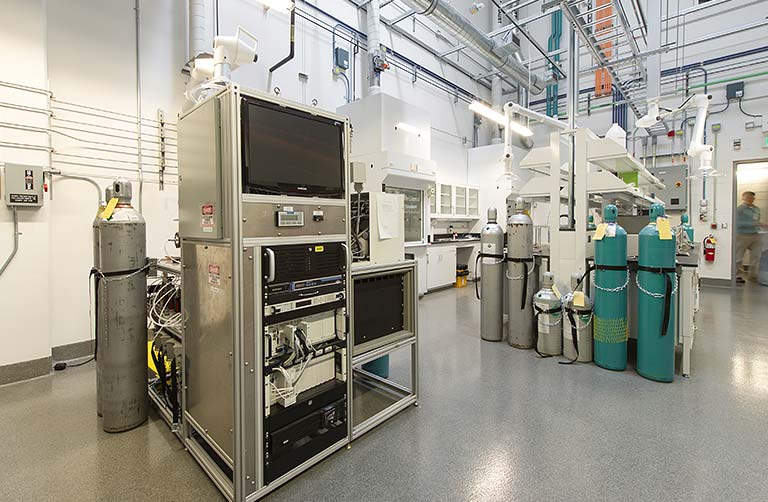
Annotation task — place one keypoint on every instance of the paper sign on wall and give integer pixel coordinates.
(389, 216)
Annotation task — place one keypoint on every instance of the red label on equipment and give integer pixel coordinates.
(214, 269)
(208, 210)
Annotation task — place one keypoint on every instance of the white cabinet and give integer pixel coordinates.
(441, 266)
(419, 253)
(460, 201)
(473, 202)
(446, 199)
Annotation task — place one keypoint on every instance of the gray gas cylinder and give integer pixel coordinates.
(550, 324)
(520, 277)
(492, 279)
(582, 316)
(122, 313)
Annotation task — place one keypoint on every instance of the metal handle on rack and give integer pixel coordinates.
(271, 257)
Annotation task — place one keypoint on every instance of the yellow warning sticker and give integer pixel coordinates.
(578, 298)
(599, 232)
(665, 231)
(319, 249)
(107, 213)
(556, 291)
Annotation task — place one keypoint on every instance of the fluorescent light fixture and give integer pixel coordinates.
(286, 5)
(402, 126)
(499, 118)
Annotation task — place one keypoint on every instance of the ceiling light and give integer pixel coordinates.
(402, 126)
(499, 118)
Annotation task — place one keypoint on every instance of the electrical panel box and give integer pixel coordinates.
(23, 185)
(675, 195)
(734, 90)
(341, 56)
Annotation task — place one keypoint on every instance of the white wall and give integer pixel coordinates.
(25, 299)
(84, 51)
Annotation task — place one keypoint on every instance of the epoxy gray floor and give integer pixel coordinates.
(494, 424)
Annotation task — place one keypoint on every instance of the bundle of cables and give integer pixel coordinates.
(168, 378)
(303, 351)
(159, 315)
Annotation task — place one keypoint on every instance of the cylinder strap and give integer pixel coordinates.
(667, 294)
(539, 311)
(477, 260)
(525, 262)
(574, 332)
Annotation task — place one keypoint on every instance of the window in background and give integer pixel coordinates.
(414, 212)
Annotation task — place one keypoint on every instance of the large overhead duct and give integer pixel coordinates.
(451, 20)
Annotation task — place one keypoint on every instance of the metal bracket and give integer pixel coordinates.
(415, 75)
(161, 141)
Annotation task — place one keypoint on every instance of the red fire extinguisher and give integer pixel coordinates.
(709, 247)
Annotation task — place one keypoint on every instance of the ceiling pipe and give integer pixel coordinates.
(451, 20)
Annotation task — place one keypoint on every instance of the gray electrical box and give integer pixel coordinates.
(23, 185)
(675, 195)
(341, 56)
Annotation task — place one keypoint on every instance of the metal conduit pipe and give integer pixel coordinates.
(197, 37)
(451, 20)
(373, 19)
(496, 93)
(15, 241)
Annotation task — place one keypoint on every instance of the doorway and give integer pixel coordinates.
(750, 222)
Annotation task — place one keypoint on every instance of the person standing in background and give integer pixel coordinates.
(748, 236)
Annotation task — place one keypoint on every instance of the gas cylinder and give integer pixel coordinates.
(491, 279)
(687, 228)
(657, 285)
(122, 313)
(591, 223)
(577, 323)
(610, 297)
(96, 266)
(520, 277)
(549, 312)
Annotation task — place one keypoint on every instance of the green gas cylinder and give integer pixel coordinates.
(610, 297)
(686, 226)
(591, 223)
(657, 285)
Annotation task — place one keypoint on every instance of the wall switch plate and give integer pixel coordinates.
(723, 226)
(737, 144)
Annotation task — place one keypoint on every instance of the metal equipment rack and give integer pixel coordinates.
(376, 398)
(236, 248)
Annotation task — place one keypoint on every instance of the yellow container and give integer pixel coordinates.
(461, 281)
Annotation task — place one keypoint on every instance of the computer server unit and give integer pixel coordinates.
(263, 205)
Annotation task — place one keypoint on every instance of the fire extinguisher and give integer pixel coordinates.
(709, 247)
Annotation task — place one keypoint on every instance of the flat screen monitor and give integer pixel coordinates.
(290, 152)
